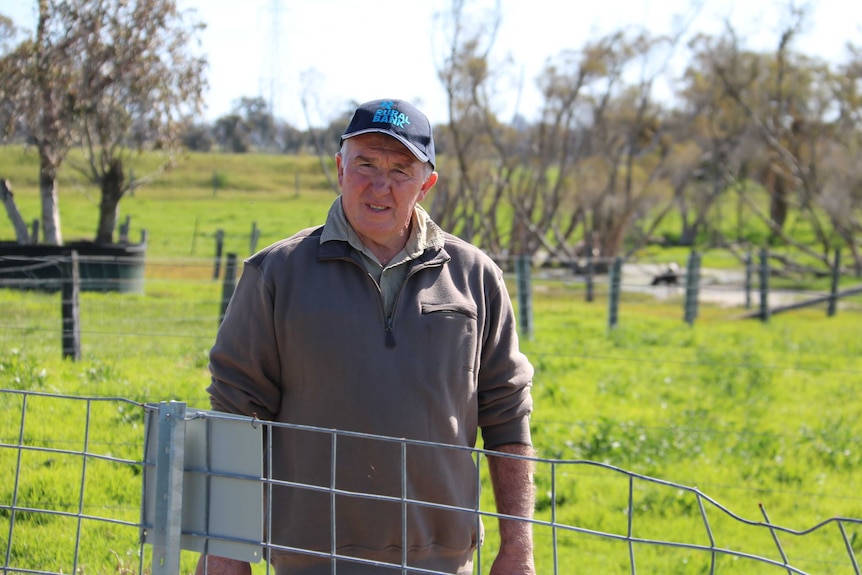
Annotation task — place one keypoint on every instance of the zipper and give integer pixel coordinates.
(390, 337)
(389, 320)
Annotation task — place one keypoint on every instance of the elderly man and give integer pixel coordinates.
(379, 322)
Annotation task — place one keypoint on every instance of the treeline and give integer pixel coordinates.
(630, 147)
(683, 139)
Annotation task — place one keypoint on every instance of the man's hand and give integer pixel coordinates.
(512, 561)
(514, 493)
(213, 565)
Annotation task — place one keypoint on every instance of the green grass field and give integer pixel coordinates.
(749, 413)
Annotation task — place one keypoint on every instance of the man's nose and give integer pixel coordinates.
(380, 182)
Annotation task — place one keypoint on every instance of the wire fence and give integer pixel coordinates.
(74, 501)
(72, 467)
(183, 299)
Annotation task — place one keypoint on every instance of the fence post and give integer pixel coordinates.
(615, 278)
(34, 234)
(69, 305)
(228, 286)
(590, 268)
(167, 524)
(124, 230)
(219, 247)
(692, 284)
(748, 283)
(764, 285)
(255, 235)
(833, 291)
(525, 305)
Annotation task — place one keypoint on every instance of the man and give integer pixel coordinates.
(380, 323)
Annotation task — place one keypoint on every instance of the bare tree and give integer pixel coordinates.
(36, 82)
(138, 88)
(591, 162)
(112, 77)
(470, 192)
(804, 116)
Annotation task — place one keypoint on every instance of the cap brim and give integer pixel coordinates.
(413, 149)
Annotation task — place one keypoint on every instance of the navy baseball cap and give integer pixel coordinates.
(398, 119)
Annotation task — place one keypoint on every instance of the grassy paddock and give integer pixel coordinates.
(747, 412)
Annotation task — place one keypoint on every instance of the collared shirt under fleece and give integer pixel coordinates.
(307, 340)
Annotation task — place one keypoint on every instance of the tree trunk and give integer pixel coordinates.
(50, 201)
(109, 208)
(22, 236)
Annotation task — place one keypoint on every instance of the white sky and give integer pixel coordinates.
(363, 50)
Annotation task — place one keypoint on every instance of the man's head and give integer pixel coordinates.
(385, 167)
(398, 119)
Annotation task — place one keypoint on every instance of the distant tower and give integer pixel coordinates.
(271, 75)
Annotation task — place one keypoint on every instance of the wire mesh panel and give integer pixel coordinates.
(70, 483)
(72, 479)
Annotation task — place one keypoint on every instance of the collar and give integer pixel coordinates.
(424, 232)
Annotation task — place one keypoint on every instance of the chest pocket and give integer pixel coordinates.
(451, 334)
(450, 308)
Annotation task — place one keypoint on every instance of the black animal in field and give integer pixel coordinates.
(669, 276)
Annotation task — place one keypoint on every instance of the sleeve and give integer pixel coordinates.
(244, 361)
(505, 376)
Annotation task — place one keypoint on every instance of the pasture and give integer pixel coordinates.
(750, 413)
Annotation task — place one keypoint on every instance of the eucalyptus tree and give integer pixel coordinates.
(113, 77)
(801, 140)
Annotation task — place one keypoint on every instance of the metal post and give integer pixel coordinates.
(167, 527)
(692, 283)
(764, 285)
(833, 292)
(219, 247)
(255, 235)
(590, 268)
(615, 277)
(525, 306)
(748, 282)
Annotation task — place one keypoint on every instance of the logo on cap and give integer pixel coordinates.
(385, 114)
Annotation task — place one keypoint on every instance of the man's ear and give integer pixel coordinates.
(339, 167)
(429, 183)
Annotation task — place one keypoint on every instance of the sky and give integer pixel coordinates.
(353, 51)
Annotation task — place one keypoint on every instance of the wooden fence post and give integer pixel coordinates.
(69, 305)
(833, 292)
(614, 281)
(124, 230)
(229, 284)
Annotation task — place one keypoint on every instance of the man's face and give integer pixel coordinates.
(381, 183)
